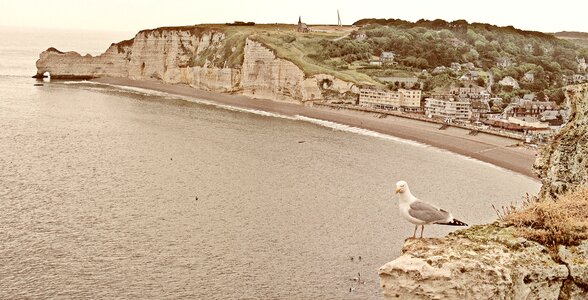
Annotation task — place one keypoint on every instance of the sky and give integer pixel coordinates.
(134, 15)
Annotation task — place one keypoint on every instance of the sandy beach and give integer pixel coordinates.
(495, 150)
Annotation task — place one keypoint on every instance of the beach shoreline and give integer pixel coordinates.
(495, 150)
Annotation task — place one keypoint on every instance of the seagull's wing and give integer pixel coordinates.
(427, 212)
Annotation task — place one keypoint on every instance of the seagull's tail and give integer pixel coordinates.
(454, 222)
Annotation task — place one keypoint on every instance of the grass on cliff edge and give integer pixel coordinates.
(301, 48)
(551, 223)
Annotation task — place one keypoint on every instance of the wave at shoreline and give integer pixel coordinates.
(319, 122)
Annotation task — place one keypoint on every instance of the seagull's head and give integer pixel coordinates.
(401, 187)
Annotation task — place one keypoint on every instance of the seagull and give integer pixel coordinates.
(420, 213)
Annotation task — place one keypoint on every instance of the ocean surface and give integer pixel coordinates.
(109, 192)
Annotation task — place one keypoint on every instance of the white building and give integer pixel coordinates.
(448, 109)
(387, 57)
(509, 81)
(529, 77)
(384, 99)
(410, 99)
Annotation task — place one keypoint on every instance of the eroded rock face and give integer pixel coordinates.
(484, 262)
(197, 57)
(71, 65)
(265, 76)
(562, 165)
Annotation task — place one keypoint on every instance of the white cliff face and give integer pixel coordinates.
(265, 76)
(485, 262)
(196, 57)
(66, 65)
(213, 79)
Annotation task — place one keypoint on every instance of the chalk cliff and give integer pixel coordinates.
(204, 58)
(493, 261)
(485, 262)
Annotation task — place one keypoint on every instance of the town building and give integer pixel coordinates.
(387, 57)
(509, 81)
(529, 77)
(447, 108)
(529, 97)
(480, 109)
(375, 62)
(529, 108)
(410, 99)
(360, 36)
(472, 92)
(522, 124)
(390, 100)
(439, 70)
(469, 76)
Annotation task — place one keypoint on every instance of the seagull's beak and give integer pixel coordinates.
(398, 190)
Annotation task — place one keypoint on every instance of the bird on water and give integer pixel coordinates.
(422, 213)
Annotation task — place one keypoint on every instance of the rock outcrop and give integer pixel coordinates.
(72, 65)
(492, 261)
(201, 57)
(485, 262)
(563, 164)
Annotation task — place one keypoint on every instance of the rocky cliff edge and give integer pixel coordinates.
(540, 252)
(206, 58)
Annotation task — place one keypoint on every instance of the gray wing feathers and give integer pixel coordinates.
(427, 212)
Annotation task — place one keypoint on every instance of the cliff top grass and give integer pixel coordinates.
(303, 49)
(563, 221)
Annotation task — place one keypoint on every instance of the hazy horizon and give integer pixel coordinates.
(132, 16)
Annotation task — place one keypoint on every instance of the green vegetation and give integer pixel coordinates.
(305, 51)
(423, 45)
(428, 44)
(578, 38)
(228, 54)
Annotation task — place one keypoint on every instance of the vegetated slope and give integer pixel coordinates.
(578, 38)
(303, 49)
(345, 52)
(428, 44)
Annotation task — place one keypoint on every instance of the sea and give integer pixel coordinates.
(113, 192)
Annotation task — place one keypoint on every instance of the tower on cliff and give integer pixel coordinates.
(302, 27)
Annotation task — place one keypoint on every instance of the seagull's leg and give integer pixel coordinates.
(422, 229)
(415, 230)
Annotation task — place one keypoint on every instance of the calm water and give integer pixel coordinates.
(113, 193)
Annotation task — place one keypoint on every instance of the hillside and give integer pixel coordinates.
(429, 44)
(303, 49)
(438, 52)
(345, 53)
(579, 38)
